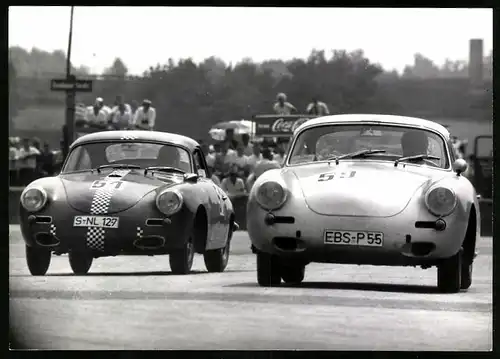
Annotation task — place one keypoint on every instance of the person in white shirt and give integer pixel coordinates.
(224, 159)
(254, 158)
(97, 115)
(27, 162)
(266, 164)
(282, 107)
(317, 108)
(145, 116)
(241, 161)
(279, 154)
(233, 185)
(121, 118)
(247, 146)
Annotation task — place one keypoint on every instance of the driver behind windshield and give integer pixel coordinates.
(169, 157)
(414, 143)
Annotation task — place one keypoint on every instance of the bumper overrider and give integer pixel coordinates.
(412, 237)
(142, 229)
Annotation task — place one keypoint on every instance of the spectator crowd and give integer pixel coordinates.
(29, 160)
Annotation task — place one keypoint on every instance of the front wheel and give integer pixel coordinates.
(181, 260)
(449, 274)
(80, 262)
(216, 260)
(268, 270)
(466, 280)
(38, 260)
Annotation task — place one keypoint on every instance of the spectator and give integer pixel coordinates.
(145, 116)
(233, 185)
(317, 108)
(134, 105)
(97, 115)
(282, 107)
(80, 115)
(13, 162)
(267, 163)
(233, 144)
(46, 160)
(254, 158)
(121, 118)
(247, 146)
(241, 161)
(27, 162)
(223, 160)
(279, 155)
(120, 101)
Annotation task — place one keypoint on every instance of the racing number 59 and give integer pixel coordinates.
(374, 238)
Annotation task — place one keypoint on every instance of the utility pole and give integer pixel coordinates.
(70, 95)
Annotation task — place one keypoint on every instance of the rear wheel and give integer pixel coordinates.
(80, 262)
(268, 270)
(449, 274)
(216, 260)
(38, 260)
(181, 260)
(293, 274)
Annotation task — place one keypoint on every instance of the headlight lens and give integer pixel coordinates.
(441, 201)
(33, 199)
(169, 202)
(271, 195)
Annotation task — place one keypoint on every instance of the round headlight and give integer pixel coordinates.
(169, 202)
(441, 201)
(271, 195)
(33, 199)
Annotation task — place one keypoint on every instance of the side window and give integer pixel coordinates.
(199, 164)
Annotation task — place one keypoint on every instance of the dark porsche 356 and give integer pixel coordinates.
(128, 193)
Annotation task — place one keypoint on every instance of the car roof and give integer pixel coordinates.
(382, 119)
(172, 138)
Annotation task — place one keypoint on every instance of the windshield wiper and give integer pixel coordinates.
(420, 157)
(356, 154)
(117, 165)
(164, 169)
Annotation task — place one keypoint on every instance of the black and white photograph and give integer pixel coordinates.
(250, 178)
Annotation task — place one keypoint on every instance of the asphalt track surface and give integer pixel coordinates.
(136, 303)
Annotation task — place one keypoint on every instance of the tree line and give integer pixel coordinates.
(191, 97)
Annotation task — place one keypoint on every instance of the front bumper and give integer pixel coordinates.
(53, 228)
(299, 234)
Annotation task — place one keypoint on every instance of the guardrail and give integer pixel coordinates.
(239, 205)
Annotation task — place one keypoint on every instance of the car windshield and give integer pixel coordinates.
(89, 156)
(388, 143)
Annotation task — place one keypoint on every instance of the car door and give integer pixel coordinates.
(217, 210)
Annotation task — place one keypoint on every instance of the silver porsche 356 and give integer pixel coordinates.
(368, 190)
(128, 193)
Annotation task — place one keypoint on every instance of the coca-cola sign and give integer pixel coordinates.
(276, 125)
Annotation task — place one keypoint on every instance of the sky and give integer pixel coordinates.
(145, 36)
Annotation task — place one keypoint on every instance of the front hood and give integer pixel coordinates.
(361, 189)
(111, 191)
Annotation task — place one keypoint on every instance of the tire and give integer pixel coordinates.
(38, 260)
(181, 261)
(216, 260)
(466, 280)
(80, 262)
(293, 274)
(268, 270)
(449, 274)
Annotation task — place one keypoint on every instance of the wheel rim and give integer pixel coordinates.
(225, 252)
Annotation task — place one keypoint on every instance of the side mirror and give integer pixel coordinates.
(460, 166)
(191, 177)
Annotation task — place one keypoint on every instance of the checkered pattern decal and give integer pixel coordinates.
(99, 206)
(52, 229)
(139, 232)
(128, 137)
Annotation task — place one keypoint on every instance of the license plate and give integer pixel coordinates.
(354, 238)
(96, 221)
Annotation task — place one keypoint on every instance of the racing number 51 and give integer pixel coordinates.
(374, 238)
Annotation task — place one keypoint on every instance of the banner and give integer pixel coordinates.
(278, 125)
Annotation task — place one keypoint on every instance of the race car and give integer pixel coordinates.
(128, 193)
(367, 190)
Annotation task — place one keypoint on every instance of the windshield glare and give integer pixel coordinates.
(92, 155)
(324, 142)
